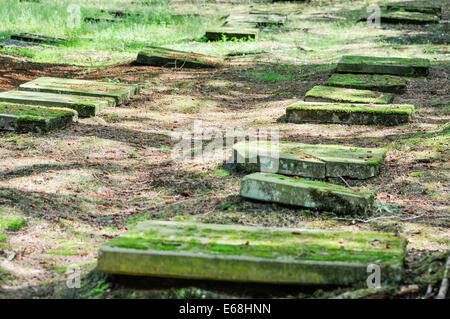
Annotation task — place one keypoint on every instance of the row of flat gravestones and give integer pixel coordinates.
(362, 91)
(49, 103)
(286, 256)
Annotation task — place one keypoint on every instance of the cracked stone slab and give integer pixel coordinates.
(301, 192)
(27, 118)
(348, 113)
(338, 94)
(84, 105)
(157, 56)
(307, 160)
(252, 254)
(120, 92)
(383, 65)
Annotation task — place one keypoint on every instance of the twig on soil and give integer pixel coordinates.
(444, 285)
(345, 182)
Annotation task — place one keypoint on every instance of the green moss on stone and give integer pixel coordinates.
(337, 94)
(174, 58)
(383, 65)
(418, 6)
(265, 242)
(408, 17)
(376, 82)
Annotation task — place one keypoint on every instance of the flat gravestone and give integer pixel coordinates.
(375, 82)
(415, 6)
(301, 192)
(120, 92)
(337, 94)
(317, 161)
(156, 56)
(252, 254)
(348, 113)
(27, 118)
(407, 17)
(84, 105)
(36, 38)
(225, 33)
(257, 20)
(383, 65)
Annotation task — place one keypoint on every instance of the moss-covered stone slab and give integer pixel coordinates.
(84, 105)
(375, 82)
(229, 33)
(337, 94)
(301, 192)
(317, 161)
(120, 92)
(407, 17)
(347, 113)
(415, 6)
(156, 56)
(102, 20)
(255, 19)
(36, 38)
(252, 254)
(383, 65)
(26, 118)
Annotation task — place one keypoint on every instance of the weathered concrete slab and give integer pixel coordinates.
(383, 65)
(282, 189)
(415, 6)
(84, 105)
(26, 118)
(229, 33)
(252, 254)
(317, 161)
(120, 92)
(347, 113)
(36, 38)
(375, 82)
(256, 19)
(156, 56)
(337, 94)
(407, 17)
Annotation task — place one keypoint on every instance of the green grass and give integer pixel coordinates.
(107, 43)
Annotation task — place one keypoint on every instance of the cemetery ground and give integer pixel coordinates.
(65, 193)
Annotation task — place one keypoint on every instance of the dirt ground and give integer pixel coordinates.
(74, 189)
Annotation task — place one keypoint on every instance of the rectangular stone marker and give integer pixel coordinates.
(336, 94)
(383, 65)
(317, 161)
(347, 113)
(218, 34)
(27, 118)
(36, 38)
(419, 6)
(252, 254)
(120, 92)
(84, 105)
(258, 20)
(406, 17)
(301, 192)
(156, 56)
(375, 82)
